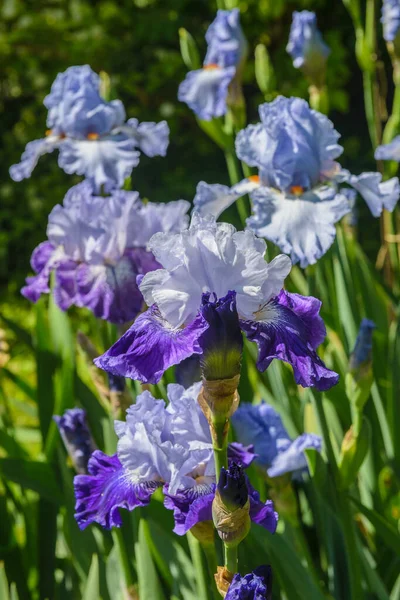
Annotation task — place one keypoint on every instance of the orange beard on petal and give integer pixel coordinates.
(296, 190)
(254, 178)
(92, 136)
(211, 66)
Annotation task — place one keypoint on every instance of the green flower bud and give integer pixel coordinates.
(189, 51)
(353, 452)
(265, 74)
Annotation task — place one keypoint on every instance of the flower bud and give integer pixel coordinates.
(231, 506)
(265, 75)
(359, 379)
(353, 452)
(253, 586)
(189, 51)
(76, 437)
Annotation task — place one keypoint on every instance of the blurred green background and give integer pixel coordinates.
(136, 42)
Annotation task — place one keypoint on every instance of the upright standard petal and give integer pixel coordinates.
(205, 91)
(106, 489)
(306, 46)
(289, 328)
(150, 347)
(377, 194)
(105, 162)
(302, 226)
(33, 151)
(225, 39)
(293, 457)
(151, 138)
(213, 199)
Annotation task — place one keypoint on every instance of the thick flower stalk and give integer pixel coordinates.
(209, 90)
(76, 436)
(92, 135)
(97, 247)
(297, 196)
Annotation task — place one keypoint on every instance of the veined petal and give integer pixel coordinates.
(151, 138)
(213, 199)
(377, 194)
(205, 91)
(33, 151)
(106, 162)
(190, 506)
(302, 226)
(262, 513)
(241, 455)
(293, 458)
(389, 151)
(44, 260)
(108, 488)
(149, 347)
(289, 329)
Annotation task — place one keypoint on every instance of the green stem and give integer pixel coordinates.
(212, 564)
(231, 559)
(235, 176)
(197, 559)
(123, 555)
(318, 403)
(221, 456)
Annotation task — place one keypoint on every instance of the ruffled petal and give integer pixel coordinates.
(205, 91)
(241, 455)
(150, 347)
(190, 506)
(44, 259)
(65, 284)
(302, 226)
(288, 329)
(151, 138)
(29, 159)
(389, 151)
(213, 199)
(105, 162)
(377, 194)
(262, 513)
(293, 458)
(107, 488)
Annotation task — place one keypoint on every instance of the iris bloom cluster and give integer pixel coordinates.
(297, 196)
(166, 447)
(96, 247)
(206, 90)
(93, 137)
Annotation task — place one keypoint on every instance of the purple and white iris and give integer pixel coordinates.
(92, 135)
(160, 446)
(390, 19)
(262, 426)
(97, 246)
(306, 46)
(296, 196)
(214, 261)
(205, 90)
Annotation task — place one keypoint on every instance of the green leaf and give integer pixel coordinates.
(21, 334)
(34, 475)
(92, 587)
(384, 529)
(4, 595)
(149, 584)
(20, 383)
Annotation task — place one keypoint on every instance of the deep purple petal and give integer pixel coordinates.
(290, 332)
(65, 284)
(262, 513)
(42, 262)
(256, 585)
(108, 488)
(149, 347)
(190, 506)
(243, 455)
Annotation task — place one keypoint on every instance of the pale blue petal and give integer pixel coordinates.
(29, 159)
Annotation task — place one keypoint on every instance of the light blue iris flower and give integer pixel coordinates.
(92, 135)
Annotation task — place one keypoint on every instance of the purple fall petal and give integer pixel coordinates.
(150, 347)
(242, 455)
(290, 329)
(262, 513)
(108, 488)
(190, 506)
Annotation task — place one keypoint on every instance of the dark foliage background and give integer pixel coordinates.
(136, 42)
